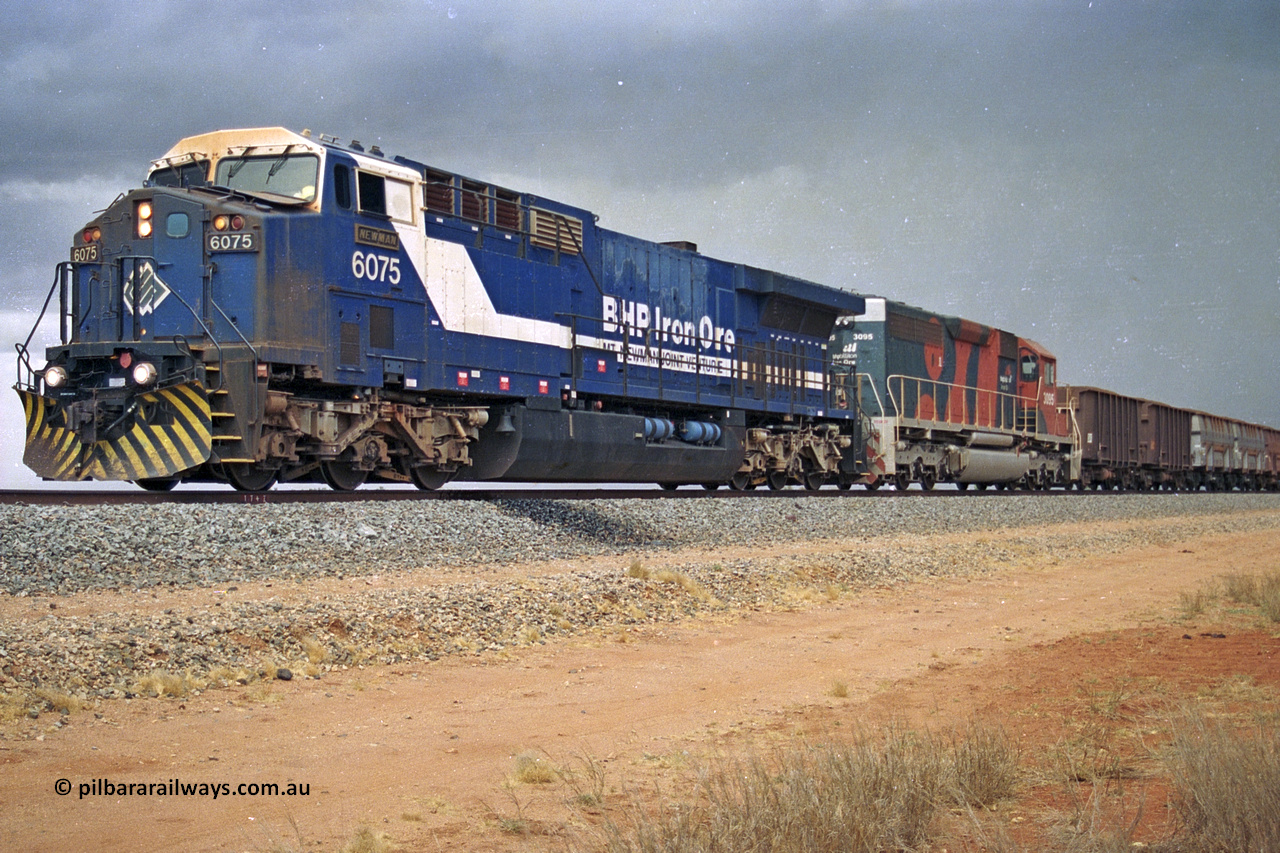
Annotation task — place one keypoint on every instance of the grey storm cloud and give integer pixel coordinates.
(1103, 176)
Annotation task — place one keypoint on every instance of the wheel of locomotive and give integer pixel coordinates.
(668, 487)
(342, 475)
(981, 487)
(844, 484)
(873, 485)
(247, 477)
(429, 479)
(158, 484)
(928, 479)
(710, 487)
(814, 480)
(741, 482)
(964, 487)
(902, 480)
(777, 480)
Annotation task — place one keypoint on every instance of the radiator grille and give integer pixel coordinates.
(555, 230)
(349, 344)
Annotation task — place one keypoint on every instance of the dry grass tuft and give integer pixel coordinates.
(160, 683)
(533, 769)
(366, 840)
(317, 653)
(1260, 591)
(1192, 604)
(1227, 784)
(870, 795)
(984, 764)
(63, 703)
(13, 707)
(683, 581)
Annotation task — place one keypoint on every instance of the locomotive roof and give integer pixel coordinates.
(965, 329)
(269, 141)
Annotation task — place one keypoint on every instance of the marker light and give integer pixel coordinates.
(220, 222)
(144, 373)
(55, 377)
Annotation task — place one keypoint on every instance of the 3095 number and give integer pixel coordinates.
(373, 267)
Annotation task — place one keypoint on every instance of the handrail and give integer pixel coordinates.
(994, 416)
(874, 391)
(24, 348)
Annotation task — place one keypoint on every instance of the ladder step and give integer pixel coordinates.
(222, 414)
(226, 438)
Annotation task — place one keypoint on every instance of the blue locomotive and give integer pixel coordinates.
(275, 306)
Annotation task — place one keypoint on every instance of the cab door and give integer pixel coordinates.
(175, 265)
(1028, 390)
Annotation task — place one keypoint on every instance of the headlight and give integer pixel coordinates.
(144, 373)
(143, 212)
(55, 377)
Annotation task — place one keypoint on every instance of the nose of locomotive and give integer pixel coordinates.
(117, 434)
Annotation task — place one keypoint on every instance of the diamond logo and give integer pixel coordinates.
(151, 289)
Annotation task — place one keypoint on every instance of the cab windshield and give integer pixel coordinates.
(193, 173)
(288, 175)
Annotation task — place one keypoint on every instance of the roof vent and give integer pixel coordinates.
(687, 245)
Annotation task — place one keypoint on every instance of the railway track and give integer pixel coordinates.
(97, 497)
(102, 497)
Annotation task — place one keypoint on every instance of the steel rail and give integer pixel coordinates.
(97, 497)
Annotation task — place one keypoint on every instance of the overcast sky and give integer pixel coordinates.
(1103, 177)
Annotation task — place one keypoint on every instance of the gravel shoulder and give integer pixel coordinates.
(113, 603)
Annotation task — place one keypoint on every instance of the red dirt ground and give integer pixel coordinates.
(1071, 658)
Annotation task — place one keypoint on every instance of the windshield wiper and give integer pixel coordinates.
(278, 164)
(239, 164)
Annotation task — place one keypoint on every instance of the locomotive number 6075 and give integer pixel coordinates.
(373, 267)
(233, 242)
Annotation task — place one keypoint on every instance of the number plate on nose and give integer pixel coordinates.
(232, 241)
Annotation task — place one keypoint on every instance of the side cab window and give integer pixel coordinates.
(342, 186)
(373, 194)
(385, 197)
(1030, 368)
